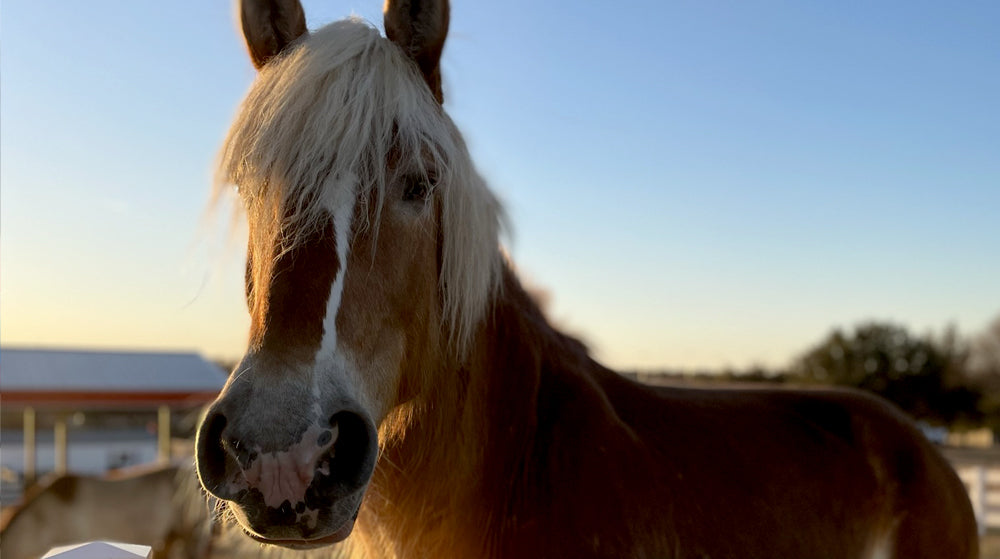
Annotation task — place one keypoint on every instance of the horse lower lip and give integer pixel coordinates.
(338, 536)
(301, 544)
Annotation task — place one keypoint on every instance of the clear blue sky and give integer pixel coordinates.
(695, 184)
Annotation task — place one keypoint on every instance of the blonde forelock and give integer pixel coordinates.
(326, 116)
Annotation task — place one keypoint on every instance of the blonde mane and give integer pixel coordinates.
(322, 121)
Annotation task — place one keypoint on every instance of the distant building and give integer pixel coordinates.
(90, 411)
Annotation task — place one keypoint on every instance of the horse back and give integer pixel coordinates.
(749, 473)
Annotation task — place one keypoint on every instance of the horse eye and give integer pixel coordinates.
(416, 190)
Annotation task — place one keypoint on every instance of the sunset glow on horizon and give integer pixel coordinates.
(692, 187)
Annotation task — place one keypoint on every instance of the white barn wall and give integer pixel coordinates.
(89, 451)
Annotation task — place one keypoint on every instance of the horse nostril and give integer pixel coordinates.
(353, 451)
(211, 454)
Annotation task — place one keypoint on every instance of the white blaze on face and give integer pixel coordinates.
(334, 368)
(341, 206)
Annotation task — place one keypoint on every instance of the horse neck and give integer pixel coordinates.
(451, 471)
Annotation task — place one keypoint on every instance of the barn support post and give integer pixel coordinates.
(61, 445)
(163, 434)
(980, 506)
(29, 446)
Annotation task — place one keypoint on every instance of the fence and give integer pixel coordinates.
(983, 484)
(979, 470)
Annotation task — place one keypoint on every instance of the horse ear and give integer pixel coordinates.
(269, 26)
(420, 27)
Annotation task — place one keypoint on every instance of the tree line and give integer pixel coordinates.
(943, 379)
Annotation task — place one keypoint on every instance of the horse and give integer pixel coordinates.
(402, 392)
(159, 506)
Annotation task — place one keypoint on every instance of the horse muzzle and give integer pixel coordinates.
(295, 485)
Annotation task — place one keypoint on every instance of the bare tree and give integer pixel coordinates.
(984, 359)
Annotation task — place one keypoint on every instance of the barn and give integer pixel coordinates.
(91, 411)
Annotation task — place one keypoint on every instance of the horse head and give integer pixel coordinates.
(372, 250)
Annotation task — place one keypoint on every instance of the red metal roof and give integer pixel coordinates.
(53, 377)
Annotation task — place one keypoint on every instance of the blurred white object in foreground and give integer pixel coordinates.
(100, 550)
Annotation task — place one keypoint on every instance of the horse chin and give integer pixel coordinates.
(339, 535)
(302, 545)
